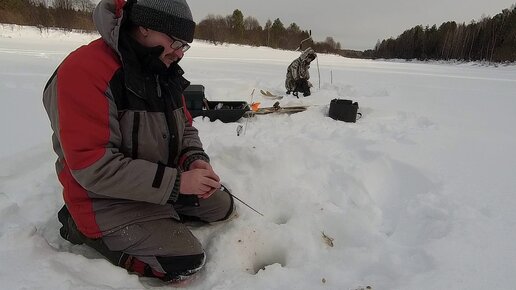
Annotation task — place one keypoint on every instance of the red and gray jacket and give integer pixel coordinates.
(122, 136)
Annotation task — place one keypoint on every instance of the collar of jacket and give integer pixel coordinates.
(140, 62)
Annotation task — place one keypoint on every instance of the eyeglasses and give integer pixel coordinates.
(179, 44)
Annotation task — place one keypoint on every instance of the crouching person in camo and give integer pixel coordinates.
(132, 166)
(298, 75)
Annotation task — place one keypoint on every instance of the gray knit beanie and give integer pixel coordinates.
(172, 17)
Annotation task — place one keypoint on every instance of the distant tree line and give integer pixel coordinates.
(76, 14)
(236, 28)
(67, 14)
(490, 39)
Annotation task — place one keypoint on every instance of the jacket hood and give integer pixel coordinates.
(107, 17)
(309, 52)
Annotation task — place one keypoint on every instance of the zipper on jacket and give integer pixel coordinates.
(158, 86)
(174, 146)
(136, 129)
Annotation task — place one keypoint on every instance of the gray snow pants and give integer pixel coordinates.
(163, 248)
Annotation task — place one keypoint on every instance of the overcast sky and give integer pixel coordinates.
(355, 24)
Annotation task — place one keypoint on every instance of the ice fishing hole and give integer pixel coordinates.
(267, 258)
(281, 219)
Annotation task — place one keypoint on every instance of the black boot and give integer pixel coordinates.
(70, 233)
(69, 230)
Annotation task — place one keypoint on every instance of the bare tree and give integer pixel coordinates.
(331, 42)
(43, 3)
(251, 23)
(84, 5)
(63, 4)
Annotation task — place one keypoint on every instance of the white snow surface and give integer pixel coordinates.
(418, 194)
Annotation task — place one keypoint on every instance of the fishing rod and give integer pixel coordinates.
(225, 189)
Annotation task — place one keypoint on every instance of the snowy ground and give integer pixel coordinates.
(419, 194)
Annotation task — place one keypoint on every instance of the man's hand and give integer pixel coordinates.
(199, 182)
(203, 165)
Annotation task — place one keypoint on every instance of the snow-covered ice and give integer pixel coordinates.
(418, 194)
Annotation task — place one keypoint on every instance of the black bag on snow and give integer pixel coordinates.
(344, 110)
